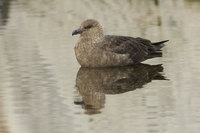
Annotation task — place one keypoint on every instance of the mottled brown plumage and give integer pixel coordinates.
(94, 49)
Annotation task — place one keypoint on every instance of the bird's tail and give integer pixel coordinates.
(157, 49)
(159, 45)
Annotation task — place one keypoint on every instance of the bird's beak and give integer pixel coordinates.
(77, 31)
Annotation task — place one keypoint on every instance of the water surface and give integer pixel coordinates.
(44, 90)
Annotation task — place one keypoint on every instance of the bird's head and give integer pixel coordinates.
(89, 28)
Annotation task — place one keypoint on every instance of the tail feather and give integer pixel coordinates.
(154, 54)
(161, 42)
(159, 45)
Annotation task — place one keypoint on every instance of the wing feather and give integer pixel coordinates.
(126, 45)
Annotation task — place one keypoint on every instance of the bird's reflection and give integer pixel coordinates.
(94, 83)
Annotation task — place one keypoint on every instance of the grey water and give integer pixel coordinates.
(44, 90)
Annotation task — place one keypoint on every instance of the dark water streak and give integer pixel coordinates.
(4, 11)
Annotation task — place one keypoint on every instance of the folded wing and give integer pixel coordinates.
(136, 48)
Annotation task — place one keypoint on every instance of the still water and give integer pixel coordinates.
(44, 90)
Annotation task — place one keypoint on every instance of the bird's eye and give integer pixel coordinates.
(89, 26)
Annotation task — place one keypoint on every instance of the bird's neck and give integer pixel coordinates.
(91, 39)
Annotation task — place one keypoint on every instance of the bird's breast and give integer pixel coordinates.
(85, 54)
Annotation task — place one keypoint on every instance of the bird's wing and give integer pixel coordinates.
(126, 45)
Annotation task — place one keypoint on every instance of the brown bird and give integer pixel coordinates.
(94, 49)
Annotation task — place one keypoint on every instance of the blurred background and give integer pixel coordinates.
(43, 89)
